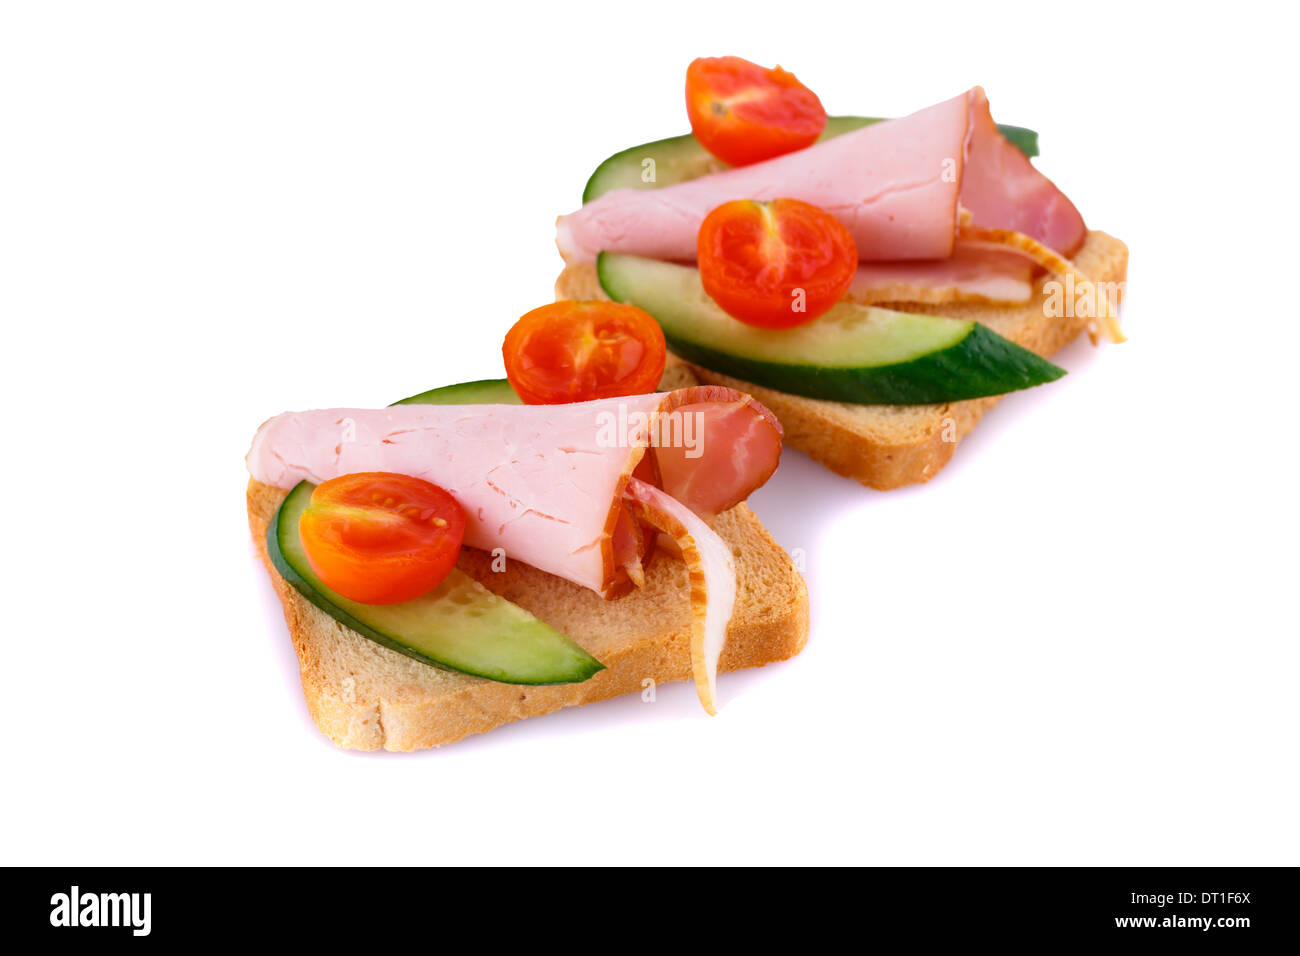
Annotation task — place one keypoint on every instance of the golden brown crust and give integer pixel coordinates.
(888, 446)
(366, 697)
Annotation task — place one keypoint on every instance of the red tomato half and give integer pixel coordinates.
(743, 113)
(381, 538)
(576, 351)
(775, 264)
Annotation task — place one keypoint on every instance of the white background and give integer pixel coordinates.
(1076, 645)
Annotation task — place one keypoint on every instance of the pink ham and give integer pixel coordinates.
(896, 185)
(885, 182)
(1003, 190)
(973, 273)
(544, 482)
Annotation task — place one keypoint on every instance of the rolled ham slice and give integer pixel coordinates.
(885, 182)
(896, 185)
(545, 482)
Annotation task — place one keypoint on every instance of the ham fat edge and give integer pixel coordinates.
(580, 490)
(913, 190)
(712, 576)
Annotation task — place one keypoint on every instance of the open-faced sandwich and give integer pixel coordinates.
(875, 283)
(496, 550)
(461, 559)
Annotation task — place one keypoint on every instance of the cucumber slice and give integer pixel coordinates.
(488, 391)
(682, 157)
(853, 353)
(459, 625)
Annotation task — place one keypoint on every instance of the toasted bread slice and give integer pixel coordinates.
(887, 446)
(366, 697)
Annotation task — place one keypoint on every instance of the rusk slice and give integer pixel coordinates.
(366, 697)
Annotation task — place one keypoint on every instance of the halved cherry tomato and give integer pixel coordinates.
(381, 538)
(775, 264)
(575, 351)
(743, 113)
